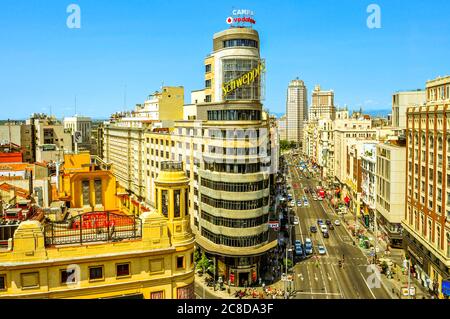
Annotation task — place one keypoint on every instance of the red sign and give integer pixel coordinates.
(347, 199)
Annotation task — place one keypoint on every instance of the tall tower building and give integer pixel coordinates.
(322, 105)
(296, 110)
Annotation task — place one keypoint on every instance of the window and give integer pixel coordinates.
(123, 270)
(207, 68)
(2, 282)
(68, 276)
(30, 280)
(96, 273)
(207, 83)
(98, 192)
(208, 98)
(180, 262)
(177, 203)
(186, 202)
(86, 193)
(165, 202)
(157, 295)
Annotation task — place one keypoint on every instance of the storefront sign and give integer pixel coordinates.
(245, 79)
(241, 16)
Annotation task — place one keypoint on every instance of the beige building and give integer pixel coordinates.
(52, 140)
(20, 134)
(165, 106)
(296, 110)
(224, 139)
(281, 125)
(426, 224)
(401, 101)
(322, 105)
(390, 189)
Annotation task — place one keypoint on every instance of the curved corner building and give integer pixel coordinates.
(234, 174)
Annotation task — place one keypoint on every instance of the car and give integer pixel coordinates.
(321, 250)
(331, 227)
(325, 234)
(328, 222)
(292, 203)
(323, 228)
(305, 203)
(298, 250)
(337, 222)
(313, 229)
(298, 242)
(296, 221)
(319, 222)
(308, 246)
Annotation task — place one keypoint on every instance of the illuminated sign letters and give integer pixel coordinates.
(245, 79)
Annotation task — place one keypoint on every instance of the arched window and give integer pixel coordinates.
(431, 143)
(423, 140)
(440, 143)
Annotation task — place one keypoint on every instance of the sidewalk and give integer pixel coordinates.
(200, 281)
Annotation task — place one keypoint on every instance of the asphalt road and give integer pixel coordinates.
(320, 277)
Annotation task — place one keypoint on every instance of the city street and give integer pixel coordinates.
(320, 277)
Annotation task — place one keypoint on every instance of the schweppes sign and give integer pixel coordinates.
(244, 79)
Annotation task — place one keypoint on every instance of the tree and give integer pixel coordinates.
(205, 264)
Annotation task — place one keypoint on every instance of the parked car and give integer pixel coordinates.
(305, 203)
(313, 229)
(296, 220)
(326, 235)
(319, 222)
(337, 222)
(299, 203)
(328, 222)
(323, 228)
(331, 227)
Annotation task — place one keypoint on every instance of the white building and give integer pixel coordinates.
(82, 124)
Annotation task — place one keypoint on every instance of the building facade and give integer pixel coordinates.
(108, 254)
(322, 105)
(426, 224)
(296, 110)
(83, 125)
(390, 186)
(401, 101)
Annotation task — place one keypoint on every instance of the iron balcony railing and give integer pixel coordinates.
(93, 227)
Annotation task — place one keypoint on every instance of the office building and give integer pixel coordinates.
(296, 110)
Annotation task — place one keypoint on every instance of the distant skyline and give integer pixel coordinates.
(138, 45)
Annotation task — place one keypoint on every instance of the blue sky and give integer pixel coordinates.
(142, 43)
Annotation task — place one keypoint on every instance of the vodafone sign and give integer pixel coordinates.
(241, 16)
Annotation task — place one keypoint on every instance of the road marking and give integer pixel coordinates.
(338, 283)
(367, 284)
(320, 293)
